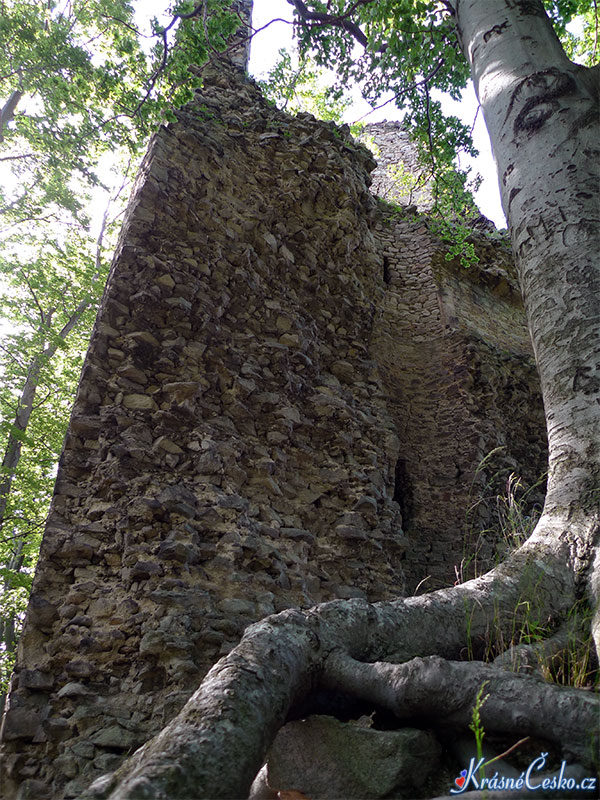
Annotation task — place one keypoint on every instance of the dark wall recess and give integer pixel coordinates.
(386, 270)
(403, 494)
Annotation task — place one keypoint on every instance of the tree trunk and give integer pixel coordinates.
(12, 452)
(10, 625)
(542, 114)
(7, 113)
(10, 462)
(8, 633)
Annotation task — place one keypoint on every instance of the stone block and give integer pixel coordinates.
(114, 736)
(35, 679)
(21, 723)
(73, 689)
(234, 605)
(322, 757)
(33, 789)
(139, 402)
(40, 611)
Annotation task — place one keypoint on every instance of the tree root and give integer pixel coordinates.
(215, 746)
(445, 692)
(550, 657)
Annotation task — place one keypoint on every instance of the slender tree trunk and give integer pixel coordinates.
(8, 111)
(10, 462)
(8, 634)
(12, 452)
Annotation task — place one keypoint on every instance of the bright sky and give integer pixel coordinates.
(264, 52)
(266, 44)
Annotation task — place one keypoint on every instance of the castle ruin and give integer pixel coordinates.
(289, 397)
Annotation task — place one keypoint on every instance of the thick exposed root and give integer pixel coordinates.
(215, 746)
(568, 656)
(445, 692)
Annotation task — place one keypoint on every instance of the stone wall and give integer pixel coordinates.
(240, 54)
(454, 350)
(398, 176)
(279, 371)
(230, 453)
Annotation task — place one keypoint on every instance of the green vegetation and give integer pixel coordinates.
(515, 512)
(564, 657)
(476, 726)
(412, 55)
(296, 84)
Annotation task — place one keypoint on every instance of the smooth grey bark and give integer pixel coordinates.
(445, 692)
(7, 112)
(549, 654)
(542, 115)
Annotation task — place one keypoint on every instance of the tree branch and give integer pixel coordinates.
(397, 95)
(336, 20)
(17, 158)
(8, 111)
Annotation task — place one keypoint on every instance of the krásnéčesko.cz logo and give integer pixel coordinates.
(526, 780)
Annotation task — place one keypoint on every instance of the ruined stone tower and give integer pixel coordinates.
(286, 398)
(239, 52)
